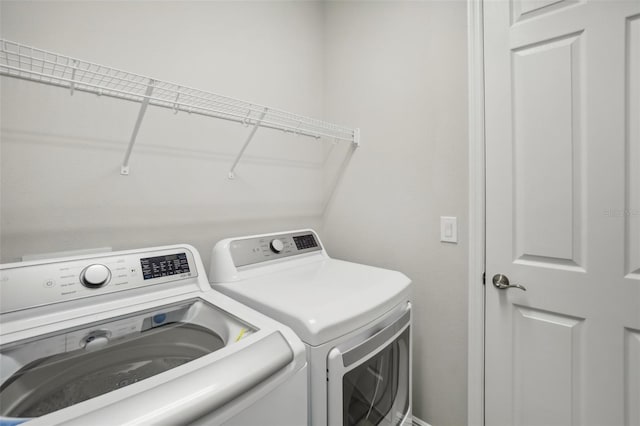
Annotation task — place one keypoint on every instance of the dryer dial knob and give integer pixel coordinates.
(276, 245)
(95, 276)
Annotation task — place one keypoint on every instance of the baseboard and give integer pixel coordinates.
(418, 422)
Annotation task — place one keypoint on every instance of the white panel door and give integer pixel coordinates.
(562, 86)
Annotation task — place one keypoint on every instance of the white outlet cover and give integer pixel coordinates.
(449, 229)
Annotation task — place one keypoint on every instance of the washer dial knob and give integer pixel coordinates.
(95, 276)
(276, 245)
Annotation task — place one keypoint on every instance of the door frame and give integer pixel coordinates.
(477, 193)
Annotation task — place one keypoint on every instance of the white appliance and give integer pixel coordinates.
(139, 337)
(354, 319)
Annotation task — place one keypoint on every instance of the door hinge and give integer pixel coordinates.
(484, 278)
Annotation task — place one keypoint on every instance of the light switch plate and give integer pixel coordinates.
(449, 229)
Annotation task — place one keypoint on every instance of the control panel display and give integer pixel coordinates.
(249, 251)
(51, 281)
(162, 266)
(305, 242)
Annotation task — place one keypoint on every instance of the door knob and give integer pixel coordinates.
(502, 282)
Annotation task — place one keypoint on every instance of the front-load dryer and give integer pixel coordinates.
(354, 319)
(139, 337)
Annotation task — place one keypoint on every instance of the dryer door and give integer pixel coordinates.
(369, 381)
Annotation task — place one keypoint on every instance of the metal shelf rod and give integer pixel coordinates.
(36, 65)
(289, 129)
(133, 97)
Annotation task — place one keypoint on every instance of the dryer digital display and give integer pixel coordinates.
(162, 266)
(305, 241)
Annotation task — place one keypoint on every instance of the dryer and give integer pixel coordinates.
(139, 337)
(354, 319)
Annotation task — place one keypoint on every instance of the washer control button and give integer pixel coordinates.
(95, 276)
(276, 245)
(49, 283)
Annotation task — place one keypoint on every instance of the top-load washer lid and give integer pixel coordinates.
(43, 375)
(318, 297)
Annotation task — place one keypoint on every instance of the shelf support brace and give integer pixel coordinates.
(356, 137)
(124, 169)
(232, 175)
(72, 85)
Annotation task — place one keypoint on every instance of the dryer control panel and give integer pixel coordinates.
(30, 284)
(248, 251)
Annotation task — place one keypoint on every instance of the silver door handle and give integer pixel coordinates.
(502, 282)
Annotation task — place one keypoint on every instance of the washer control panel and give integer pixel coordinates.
(30, 284)
(254, 250)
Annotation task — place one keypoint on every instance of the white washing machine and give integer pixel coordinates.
(354, 319)
(139, 337)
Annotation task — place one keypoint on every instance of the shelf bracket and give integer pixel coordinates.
(72, 84)
(356, 137)
(232, 175)
(175, 102)
(124, 169)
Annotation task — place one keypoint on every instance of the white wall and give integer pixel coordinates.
(61, 154)
(398, 70)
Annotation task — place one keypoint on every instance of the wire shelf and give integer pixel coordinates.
(29, 63)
